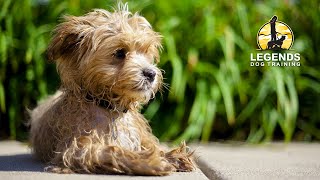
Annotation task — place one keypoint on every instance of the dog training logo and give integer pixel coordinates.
(275, 35)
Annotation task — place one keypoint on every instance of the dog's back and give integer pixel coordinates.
(43, 106)
(37, 121)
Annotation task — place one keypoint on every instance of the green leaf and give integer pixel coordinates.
(2, 99)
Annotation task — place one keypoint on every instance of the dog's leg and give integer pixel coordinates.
(88, 155)
(181, 158)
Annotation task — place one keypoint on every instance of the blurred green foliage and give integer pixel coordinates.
(214, 93)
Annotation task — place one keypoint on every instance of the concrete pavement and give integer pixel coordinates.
(265, 161)
(215, 160)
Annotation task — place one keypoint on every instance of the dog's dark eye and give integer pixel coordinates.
(120, 54)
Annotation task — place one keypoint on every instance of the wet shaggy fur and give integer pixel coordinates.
(108, 58)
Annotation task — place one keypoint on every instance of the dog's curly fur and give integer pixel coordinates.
(103, 57)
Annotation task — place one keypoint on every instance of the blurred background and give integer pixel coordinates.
(214, 94)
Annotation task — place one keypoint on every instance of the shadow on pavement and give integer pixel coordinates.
(20, 162)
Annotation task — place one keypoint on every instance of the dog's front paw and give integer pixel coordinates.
(57, 169)
(181, 158)
(164, 168)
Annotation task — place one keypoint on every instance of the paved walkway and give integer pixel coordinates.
(267, 161)
(216, 161)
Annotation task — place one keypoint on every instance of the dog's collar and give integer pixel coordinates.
(103, 103)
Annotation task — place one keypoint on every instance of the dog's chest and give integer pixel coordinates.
(122, 131)
(125, 133)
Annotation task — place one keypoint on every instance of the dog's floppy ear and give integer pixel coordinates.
(68, 37)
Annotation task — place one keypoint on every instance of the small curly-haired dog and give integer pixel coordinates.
(107, 65)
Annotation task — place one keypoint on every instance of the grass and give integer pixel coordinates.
(214, 93)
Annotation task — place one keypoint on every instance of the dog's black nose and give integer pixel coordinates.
(149, 74)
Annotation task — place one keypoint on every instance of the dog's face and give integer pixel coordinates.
(111, 56)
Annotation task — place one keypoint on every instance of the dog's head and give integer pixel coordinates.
(110, 56)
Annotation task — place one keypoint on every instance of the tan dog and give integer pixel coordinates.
(107, 65)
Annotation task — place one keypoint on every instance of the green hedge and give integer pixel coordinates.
(214, 93)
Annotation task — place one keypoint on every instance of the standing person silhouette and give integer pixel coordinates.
(273, 28)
